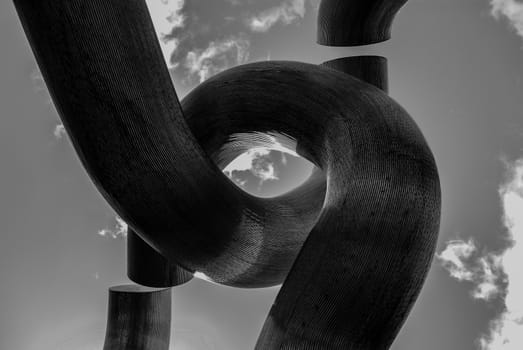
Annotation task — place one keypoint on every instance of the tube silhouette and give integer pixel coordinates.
(147, 267)
(352, 245)
(356, 22)
(370, 69)
(138, 318)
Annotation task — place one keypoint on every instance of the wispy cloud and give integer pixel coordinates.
(464, 262)
(454, 259)
(167, 15)
(512, 10)
(258, 159)
(497, 274)
(40, 86)
(199, 41)
(506, 332)
(119, 231)
(286, 13)
(59, 131)
(217, 56)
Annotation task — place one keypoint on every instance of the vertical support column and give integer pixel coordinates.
(147, 267)
(138, 318)
(370, 69)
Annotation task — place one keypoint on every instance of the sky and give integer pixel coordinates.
(455, 65)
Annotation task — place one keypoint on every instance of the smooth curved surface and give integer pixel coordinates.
(353, 243)
(138, 318)
(147, 267)
(356, 22)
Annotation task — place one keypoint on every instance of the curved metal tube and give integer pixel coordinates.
(133, 140)
(353, 244)
(356, 22)
(365, 260)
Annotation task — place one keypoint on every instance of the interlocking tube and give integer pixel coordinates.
(352, 245)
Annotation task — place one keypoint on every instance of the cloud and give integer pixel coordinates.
(454, 258)
(286, 13)
(120, 230)
(200, 39)
(40, 86)
(59, 131)
(217, 56)
(492, 279)
(167, 16)
(258, 158)
(464, 262)
(255, 160)
(497, 274)
(506, 331)
(511, 10)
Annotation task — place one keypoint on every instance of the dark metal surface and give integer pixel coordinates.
(147, 267)
(138, 318)
(365, 260)
(356, 22)
(370, 69)
(353, 244)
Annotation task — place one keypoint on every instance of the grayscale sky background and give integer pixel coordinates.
(455, 65)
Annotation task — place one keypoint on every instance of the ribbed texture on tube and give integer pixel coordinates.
(104, 68)
(370, 69)
(353, 244)
(147, 267)
(138, 318)
(356, 22)
(363, 264)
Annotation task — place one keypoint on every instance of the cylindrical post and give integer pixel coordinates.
(139, 318)
(370, 69)
(147, 267)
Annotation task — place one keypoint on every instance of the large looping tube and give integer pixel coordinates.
(353, 243)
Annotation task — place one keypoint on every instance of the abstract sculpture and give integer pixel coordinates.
(352, 245)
